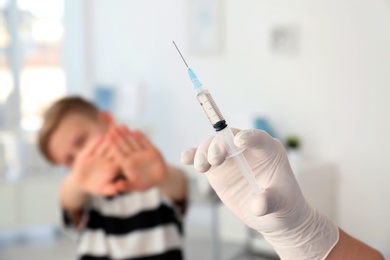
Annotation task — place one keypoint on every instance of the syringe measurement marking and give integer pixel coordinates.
(211, 108)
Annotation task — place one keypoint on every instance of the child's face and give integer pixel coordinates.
(72, 135)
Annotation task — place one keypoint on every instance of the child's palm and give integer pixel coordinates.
(96, 176)
(140, 161)
(94, 172)
(144, 169)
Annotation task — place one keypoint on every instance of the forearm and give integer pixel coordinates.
(351, 248)
(175, 185)
(72, 198)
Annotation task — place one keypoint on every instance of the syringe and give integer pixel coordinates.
(224, 132)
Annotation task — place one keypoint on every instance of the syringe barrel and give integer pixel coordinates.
(210, 108)
(225, 134)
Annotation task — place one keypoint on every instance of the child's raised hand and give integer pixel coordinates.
(94, 170)
(138, 159)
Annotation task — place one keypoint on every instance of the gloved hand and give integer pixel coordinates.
(280, 213)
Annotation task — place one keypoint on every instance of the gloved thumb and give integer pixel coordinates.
(265, 203)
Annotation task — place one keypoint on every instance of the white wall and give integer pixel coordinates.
(333, 93)
(75, 57)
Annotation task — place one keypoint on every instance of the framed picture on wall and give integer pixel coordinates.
(206, 26)
(103, 97)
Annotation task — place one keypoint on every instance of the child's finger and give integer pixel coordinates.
(103, 147)
(132, 186)
(121, 185)
(110, 150)
(134, 180)
(116, 155)
(109, 189)
(91, 146)
(111, 153)
(121, 143)
(143, 140)
(130, 138)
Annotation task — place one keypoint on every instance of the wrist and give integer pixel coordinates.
(72, 196)
(162, 175)
(174, 185)
(74, 184)
(313, 238)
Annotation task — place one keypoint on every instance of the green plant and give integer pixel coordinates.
(293, 142)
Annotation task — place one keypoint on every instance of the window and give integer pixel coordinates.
(31, 73)
(42, 77)
(5, 73)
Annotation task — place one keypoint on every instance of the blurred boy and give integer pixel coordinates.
(120, 192)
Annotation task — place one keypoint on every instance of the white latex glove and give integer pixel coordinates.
(281, 214)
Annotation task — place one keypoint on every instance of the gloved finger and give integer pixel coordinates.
(255, 139)
(201, 163)
(265, 203)
(217, 152)
(187, 157)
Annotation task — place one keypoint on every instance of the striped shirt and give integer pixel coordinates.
(132, 226)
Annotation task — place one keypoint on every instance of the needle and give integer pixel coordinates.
(180, 54)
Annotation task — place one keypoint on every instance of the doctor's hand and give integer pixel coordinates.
(280, 213)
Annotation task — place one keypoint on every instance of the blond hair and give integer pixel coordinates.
(56, 113)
